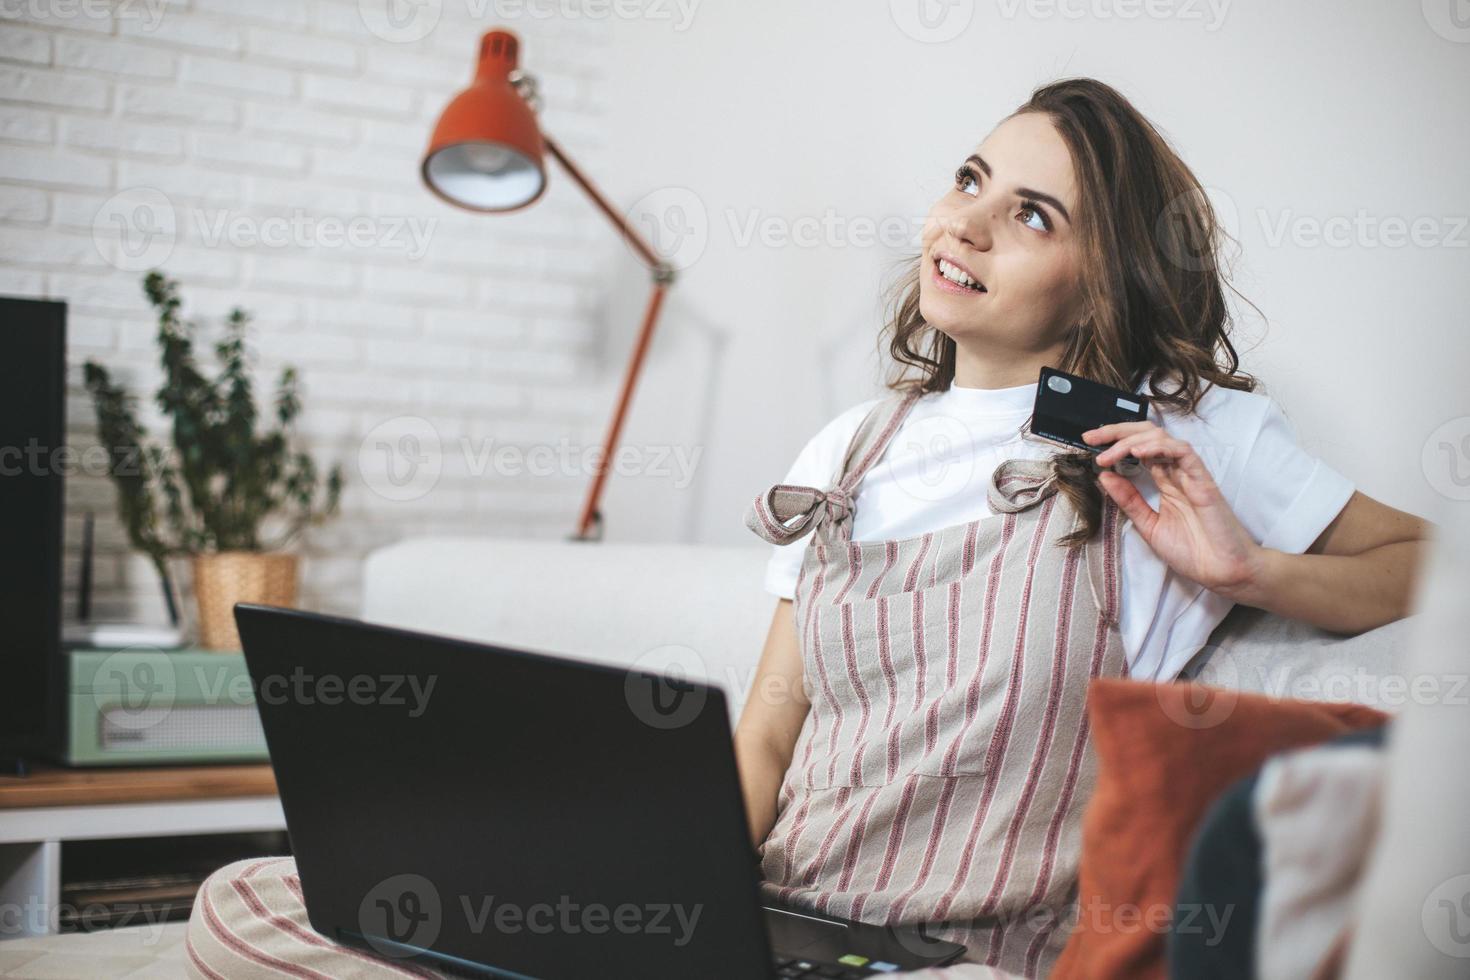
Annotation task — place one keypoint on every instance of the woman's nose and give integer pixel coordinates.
(972, 224)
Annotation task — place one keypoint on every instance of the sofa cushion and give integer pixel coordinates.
(1254, 650)
(1165, 752)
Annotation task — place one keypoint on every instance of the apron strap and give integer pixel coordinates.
(785, 512)
(1018, 484)
(873, 435)
(1105, 563)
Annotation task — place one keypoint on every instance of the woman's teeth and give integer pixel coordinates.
(958, 276)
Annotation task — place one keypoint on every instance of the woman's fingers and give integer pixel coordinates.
(1130, 501)
(1119, 433)
(1142, 445)
(1116, 430)
(1165, 456)
(1169, 460)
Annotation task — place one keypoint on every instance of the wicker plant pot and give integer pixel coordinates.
(224, 578)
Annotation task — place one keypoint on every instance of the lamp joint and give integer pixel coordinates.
(525, 85)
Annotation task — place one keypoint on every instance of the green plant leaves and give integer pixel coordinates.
(221, 479)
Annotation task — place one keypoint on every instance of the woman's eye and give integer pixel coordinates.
(966, 182)
(1035, 212)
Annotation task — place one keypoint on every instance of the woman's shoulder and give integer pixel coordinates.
(1228, 429)
(1218, 409)
(825, 450)
(838, 432)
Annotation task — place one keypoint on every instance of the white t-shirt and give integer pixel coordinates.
(935, 471)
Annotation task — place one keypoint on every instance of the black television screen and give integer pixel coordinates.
(32, 431)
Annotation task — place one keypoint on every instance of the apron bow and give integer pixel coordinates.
(1018, 484)
(786, 512)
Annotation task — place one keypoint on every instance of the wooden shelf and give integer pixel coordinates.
(83, 787)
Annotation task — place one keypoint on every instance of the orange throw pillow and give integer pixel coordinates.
(1165, 752)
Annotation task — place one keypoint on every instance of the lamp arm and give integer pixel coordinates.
(589, 524)
(662, 271)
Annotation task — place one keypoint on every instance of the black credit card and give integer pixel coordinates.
(1068, 405)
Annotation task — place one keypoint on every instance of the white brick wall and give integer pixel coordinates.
(233, 118)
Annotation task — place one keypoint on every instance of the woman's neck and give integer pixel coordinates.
(989, 370)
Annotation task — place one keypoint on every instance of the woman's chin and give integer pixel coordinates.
(948, 317)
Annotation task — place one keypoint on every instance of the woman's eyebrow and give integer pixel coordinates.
(979, 161)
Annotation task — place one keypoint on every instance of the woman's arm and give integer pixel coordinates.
(770, 722)
(1360, 573)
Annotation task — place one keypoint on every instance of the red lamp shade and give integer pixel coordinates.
(486, 155)
(486, 151)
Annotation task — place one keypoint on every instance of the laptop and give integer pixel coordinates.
(501, 812)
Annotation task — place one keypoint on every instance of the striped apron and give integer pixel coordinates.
(941, 772)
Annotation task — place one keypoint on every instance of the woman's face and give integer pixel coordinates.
(1008, 223)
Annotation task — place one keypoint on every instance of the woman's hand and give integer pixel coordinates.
(1194, 530)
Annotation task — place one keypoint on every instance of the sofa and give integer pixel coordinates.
(696, 608)
(617, 603)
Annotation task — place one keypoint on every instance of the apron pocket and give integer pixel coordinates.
(930, 742)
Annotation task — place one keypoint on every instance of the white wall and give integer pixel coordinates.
(177, 117)
(770, 143)
(1303, 112)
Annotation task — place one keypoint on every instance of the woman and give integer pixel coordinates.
(938, 632)
(931, 761)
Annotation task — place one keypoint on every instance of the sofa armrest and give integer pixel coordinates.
(1255, 650)
(696, 609)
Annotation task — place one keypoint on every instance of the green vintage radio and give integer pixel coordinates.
(142, 706)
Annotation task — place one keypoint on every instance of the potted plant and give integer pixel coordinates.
(207, 498)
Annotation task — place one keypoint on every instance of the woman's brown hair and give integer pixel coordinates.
(1152, 279)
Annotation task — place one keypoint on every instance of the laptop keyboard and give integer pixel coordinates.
(847, 967)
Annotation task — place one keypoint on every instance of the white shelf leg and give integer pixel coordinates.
(30, 888)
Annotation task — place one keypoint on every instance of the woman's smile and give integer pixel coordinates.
(954, 282)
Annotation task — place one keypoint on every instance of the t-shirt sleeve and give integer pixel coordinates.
(1287, 496)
